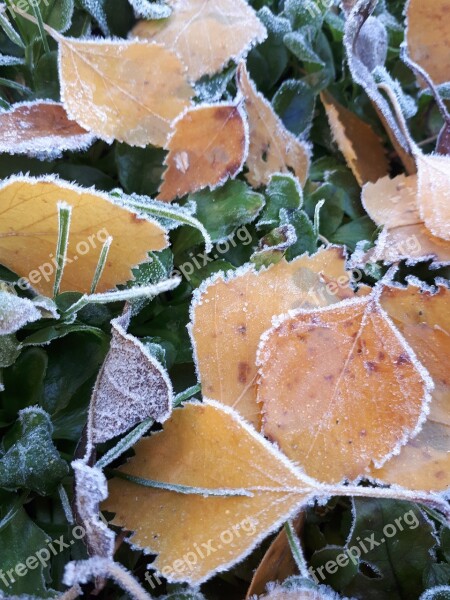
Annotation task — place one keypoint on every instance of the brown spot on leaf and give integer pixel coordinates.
(243, 372)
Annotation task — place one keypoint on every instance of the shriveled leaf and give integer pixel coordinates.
(40, 128)
(230, 314)
(273, 149)
(132, 386)
(423, 317)
(128, 91)
(428, 37)
(362, 148)
(208, 145)
(29, 233)
(206, 34)
(433, 193)
(393, 204)
(340, 388)
(208, 447)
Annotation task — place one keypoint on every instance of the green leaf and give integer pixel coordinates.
(9, 350)
(283, 191)
(299, 44)
(352, 232)
(158, 268)
(333, 566)
(445, 543)
(294, 102)
(437, 593)
(304, 229)
(332, 213)
(140, 169)
(24, 381)
(33, 462)
(436, 574)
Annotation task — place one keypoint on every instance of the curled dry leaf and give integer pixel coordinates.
(428, 37)
(393, 204)
(40, 128)
(91, 489)
(433, 194)
(362, 148)
(131, 386)
(273, 149)
(208, 145)
(29, 233)
(208, 447)
(229, 315)
(340, 388)
(206, 34)
(128, 91)
(423, 317)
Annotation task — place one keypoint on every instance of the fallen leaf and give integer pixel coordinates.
(206, 34)
(40, 128)
(128, 91)
(362, 148)
(433, 194)
(428, 37)
(229, 315)
(423, 317)
(208, 145)
(28, 238)
(131, 386)
(273, 149)
(392, 203)
(208, 447)
(340, 388)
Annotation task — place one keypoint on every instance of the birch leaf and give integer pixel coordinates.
(362, 148)
(128, 91)
(433, 193)
(423, 317)
(205, 446)
(273, 149)
(229, 315)
(206, 34)
(40, 128)
(340, 388)
(29, 233)
(209, 144)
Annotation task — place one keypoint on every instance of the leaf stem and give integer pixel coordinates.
(296, 549)
(101, 264)
(64, 217)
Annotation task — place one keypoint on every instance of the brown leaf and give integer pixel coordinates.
(128, 91)
(340, 389)
(206, 34)
(209, 144)
(273, 149)
(362, 148)
(433, 194)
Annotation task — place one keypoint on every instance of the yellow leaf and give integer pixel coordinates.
(208, 145)
(392, 203)
(229, 315)
(29, 233)
(340, 389)
(206, 34)
(423, 318)
(205, 446)
(434, 193)
(428, 37)
(362, 148)
(128, 91)
(40, 128)
(273, 149)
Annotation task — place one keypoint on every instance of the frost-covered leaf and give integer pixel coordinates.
(229, 314)
(131, 386)
(8, 61)
(362, 148)
(206, 34)
(9, 351)
(283, 192)
(433, 194)
(428, 37)
(393, 204)
(128, 91)
(273, 149)
(340, 388)
(151, 10)
(208, 145)
(41, 129)
(249, 489)
(33, 462)
(440, 592)
(423, 317)
(96, 8)
(372, 44)
(30, 214)
(16, 312)
(300, 592)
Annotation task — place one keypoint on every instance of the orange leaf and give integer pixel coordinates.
(128, 91)
(273, 149)
(362, 148)
(206, 34)
(207, 447)
(40, 128)
(340, 389)
(423, 318)
(433, 193)
(29, 233)
(229, 315)
(208, 145)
